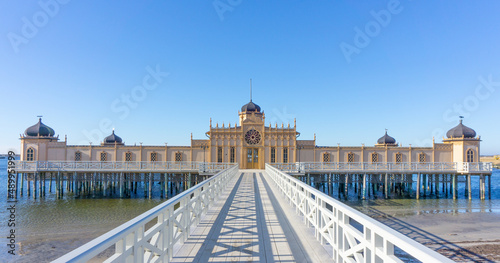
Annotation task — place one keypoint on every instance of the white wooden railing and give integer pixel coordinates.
(72, 166)
(172, 221)
(353, 236)
(449, 167)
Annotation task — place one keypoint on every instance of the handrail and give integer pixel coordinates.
(89, 166)
(354, 236)
(412, 167)
(173, 220)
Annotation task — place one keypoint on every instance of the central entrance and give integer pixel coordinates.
(252, 158)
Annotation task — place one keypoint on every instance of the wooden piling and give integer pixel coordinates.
(418, 186)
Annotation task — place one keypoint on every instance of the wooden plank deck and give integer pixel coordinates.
(251, 223)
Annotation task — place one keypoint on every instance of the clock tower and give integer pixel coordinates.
(252, 126)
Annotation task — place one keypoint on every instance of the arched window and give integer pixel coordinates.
(374, 157)
(78, 156)
(399, 157)
(326, 157)
(128, 157)
(350, 157)
(422, 158)
(178, 157)
(30, 154)
(104, 156)
(154, 157)
(470, 156)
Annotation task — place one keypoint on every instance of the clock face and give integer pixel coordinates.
(252, 137)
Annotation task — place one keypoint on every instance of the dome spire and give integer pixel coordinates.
(250, 90)
(250, 107)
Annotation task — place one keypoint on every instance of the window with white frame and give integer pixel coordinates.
(30, 154)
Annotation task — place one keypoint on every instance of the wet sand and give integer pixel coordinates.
(463, 237)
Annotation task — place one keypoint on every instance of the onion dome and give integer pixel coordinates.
(113, 139)
(252, 107)
(386, 139)
(461, 131)
(39, 130)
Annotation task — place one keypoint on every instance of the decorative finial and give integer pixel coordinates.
(39, 117)
(461, 118)
(385, 130)
(250, 90)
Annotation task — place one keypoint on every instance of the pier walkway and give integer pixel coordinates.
(249, 224)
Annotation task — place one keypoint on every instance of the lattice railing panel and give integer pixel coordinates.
(155, 244)
(352, 235)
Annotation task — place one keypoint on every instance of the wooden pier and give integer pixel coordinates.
(165, 179)
(386, 179)
(111, 179)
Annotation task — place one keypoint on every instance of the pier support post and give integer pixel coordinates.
(469, 188)
(418, 186)
(121, 185)
(34, 185)
(28, 183)
(308, 179)
(43, 187)
(454, 190)
(17, 185)
(346, 193)
(57, 185)
(386, 183)
(165, 184)
(363, 192)
(50, 183)
(105, 188)
(489, 186)
(22, 183)
(150, 186)
(481, 187)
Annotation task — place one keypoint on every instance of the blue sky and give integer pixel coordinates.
(412, 67)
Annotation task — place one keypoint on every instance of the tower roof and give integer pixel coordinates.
(460, 131)
(113, 139)
(252, 107)
(39, 130)
(386, 139)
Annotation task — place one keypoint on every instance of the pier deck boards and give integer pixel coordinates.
(251, 223)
